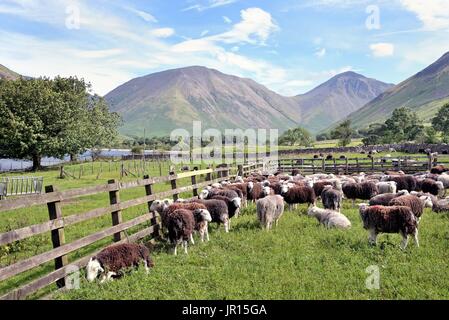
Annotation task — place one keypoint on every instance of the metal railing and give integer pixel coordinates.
(18, 186)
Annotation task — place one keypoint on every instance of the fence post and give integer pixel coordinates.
(324, 165)
(114, 198)
(347, 166)
(240, 170)
(372, 164)
(154, 222)
(195, 189)
(57, 235)
(174, 184)
(430, 161)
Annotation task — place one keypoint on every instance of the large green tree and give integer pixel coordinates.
(403, 125)
(296, 137)
(343, 133)
(44, 117)
(441, 122)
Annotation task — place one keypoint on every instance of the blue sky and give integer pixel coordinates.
(289, 46)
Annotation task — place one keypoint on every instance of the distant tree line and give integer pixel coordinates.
(53, 117)
(402, 126)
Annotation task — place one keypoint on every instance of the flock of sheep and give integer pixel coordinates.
(396, 202)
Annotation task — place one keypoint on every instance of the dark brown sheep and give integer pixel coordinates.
(298, 195)
(232, 204)
(439, 169)
(218, 210)
(432, 187)
(416, 204)
(181, 225)
(404, 182)
(363, 191)
(255, 191)
(380, 219)
(384, 199)
(112, 260)
(318, 186)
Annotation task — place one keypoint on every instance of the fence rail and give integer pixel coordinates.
(55, 226)
(409, 164)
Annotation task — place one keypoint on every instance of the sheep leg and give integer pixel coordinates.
(226, 225)
(108, 276)
(185, 246)
(207, 234)
(202, 231)
(147, 269)
(416, 238)
(372, 237)
(404, 241)
(191, 239)
(176, 249)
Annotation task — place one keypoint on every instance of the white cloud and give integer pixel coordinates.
(204, 32)
(434, 14)
(381, 50)
(321, 53)
(148, 17)
(163, 32)
(227, 20)
(210, 4)
(255, 27)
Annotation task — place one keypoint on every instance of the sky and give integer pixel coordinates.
(288, 46)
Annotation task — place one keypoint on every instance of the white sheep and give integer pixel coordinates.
(329, 218)
(386, 187)
(270, 209)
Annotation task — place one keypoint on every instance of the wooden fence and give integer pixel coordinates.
(409, 164)
(57, 222)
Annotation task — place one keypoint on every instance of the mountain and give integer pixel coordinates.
(5, 73)
(171, 99)
(424, 93)
(337, 98)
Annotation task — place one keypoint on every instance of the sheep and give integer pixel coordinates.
(329, 218)
(331, 198)
(296, 194)
(180, 224)
(416, 204)
(380, 219)
(444, 178)
(233, 204)
(403, 182)
(433, 187)
(386, 187)
(269, 209)
(385, 198)
(255, 191)
(208, 194)
(243, 187)
(439, 169)
(363, 191)
(318, 187)
(218, 210)
(199, 212)
(112, 260)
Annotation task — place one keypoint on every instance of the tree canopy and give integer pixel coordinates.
(343, 133)
(441, 121)
(296, 137)
(52, 117)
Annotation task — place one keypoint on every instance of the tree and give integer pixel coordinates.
(403, 125)
(429, 135)
(323, 136)
(44, 117)
(441, 122)
(343, 132)
(298, 136)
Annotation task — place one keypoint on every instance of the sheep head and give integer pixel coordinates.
(250, 186)
(93, 269)
(284, 188)
(363, 207)
(426, 201)
(237, 202)
(266, 190)
(205, 214)
(204, 194)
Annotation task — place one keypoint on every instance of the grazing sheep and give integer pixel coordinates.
(181, 225)
(439, 169)
(380, 219)
(199, 212)
(403, 182)
(218, 210)
(233, 204)
(297, 195)
(255, 191)
(329, 218)
(318, 187)
(209, 194)
(444, 178)
(433, 187)
(363, 191)
(112, 260)
(416, 204)
(331, 198)
(386, 187)
(385, 198)
(270, 209)
(243, 187)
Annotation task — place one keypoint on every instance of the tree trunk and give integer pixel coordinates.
(73, 157)
(36, 162)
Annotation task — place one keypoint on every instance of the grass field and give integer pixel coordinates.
(298, 260)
